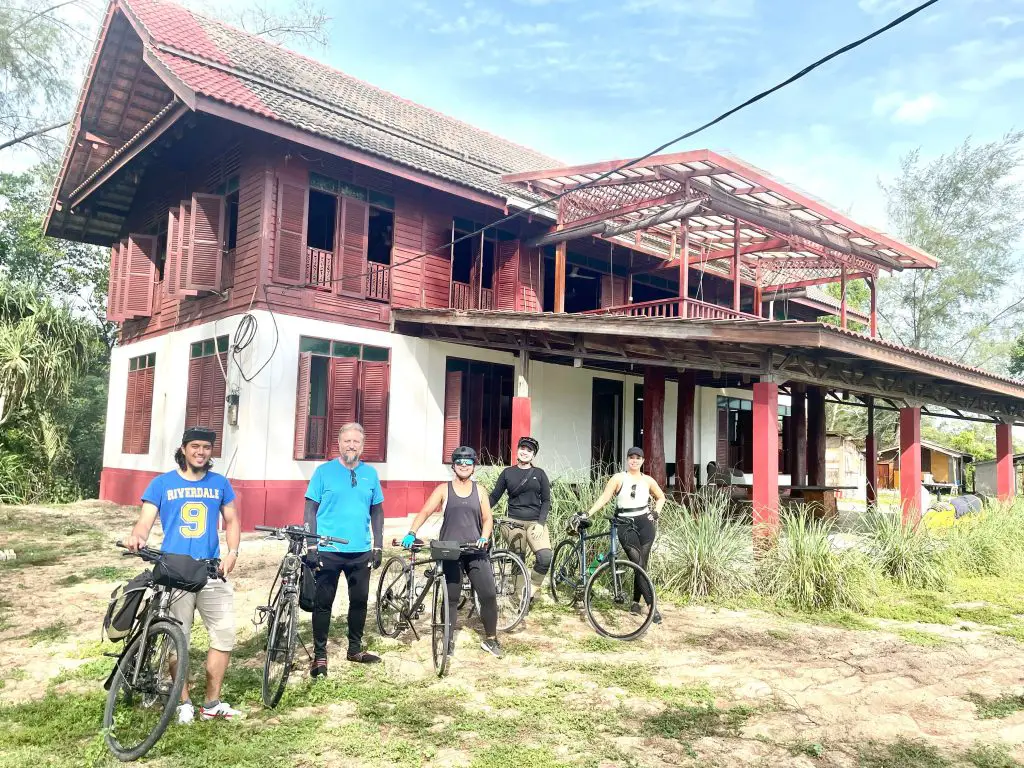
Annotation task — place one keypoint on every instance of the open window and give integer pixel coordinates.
(478, 409)
(473, 265)
(582, 287)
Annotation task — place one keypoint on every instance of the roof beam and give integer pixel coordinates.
(606, 228)
(631, 208)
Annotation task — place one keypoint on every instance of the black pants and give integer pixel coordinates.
(636, 535)
(478, 568)
(356, 567)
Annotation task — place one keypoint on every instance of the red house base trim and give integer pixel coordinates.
(266, 502)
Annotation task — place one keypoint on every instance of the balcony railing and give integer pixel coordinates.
(319, 264)
(378, 281)
(462, 295)
(486, 298)
(689, 309)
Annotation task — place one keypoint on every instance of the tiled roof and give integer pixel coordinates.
(248, 72)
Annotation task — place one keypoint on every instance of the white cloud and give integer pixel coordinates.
(878, 7)
(541, 28)
(461, 24)
(730, 9)
(1000, 76)
(900, 109)
(1004, 21)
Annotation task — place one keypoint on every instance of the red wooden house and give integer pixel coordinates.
(292, 248)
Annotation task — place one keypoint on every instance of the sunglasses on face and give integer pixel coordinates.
(463, 462)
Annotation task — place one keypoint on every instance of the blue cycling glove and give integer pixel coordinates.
(481, 543)
(409, 540)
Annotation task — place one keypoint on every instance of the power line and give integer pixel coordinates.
(729, 113)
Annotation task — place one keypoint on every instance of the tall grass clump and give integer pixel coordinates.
(909, 554)
(700, 551)
(802, 569)
(988, 543)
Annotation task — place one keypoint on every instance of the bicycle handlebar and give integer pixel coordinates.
(295, 532)
(152, 555)
(419, 545)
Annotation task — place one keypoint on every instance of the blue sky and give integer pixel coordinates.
(585, 81)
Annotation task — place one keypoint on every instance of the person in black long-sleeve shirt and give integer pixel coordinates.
(529, 502)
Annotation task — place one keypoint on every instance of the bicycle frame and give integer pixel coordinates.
(611, 554)
(417, 598)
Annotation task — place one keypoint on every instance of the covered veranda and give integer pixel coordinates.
(811, 362)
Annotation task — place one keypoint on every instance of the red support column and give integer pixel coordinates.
(1005, 490)
(654, 424)
(684, 431)
(910, 463)
(815, 436)
(520, 421)
(684, 270)
(798, 427)
(766, 458)
(871, 456)
(736, 266)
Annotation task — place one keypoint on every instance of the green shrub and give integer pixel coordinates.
(909, 554)
(987, 544)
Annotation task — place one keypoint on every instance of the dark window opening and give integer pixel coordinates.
(487, 266)
(161, 255)
(231, 236)
(380, 237)
(485, 409)
(582, 288)
(642, 293)
(321, 220)
(463, 253)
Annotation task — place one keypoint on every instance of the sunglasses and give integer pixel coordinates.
(632, 493)
(355, 480)
(464, 462)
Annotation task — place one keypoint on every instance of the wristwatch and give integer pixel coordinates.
(233, 552)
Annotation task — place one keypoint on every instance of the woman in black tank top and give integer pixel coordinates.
(467, 520)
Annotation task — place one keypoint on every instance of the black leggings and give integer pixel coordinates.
(636, 535)
(356, 567)
(478, 568)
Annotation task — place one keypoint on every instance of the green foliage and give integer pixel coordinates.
(998, 707)
(911, 555)
(989, 543)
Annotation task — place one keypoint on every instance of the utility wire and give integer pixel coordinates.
(729, 113)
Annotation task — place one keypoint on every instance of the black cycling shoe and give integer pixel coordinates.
(657, 616)
(319, 668)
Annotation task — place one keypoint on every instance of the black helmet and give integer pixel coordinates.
(463, 452)
(198, 433)
(529, 443)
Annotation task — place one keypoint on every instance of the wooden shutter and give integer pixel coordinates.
(184, 247)
(613, 291)
(353, 223)
(529, 280)
(195, 366)
(171, 264)
(217, 401)
(722, 439)
(138, 299)
(507, 275)
(144, 401)
(452, 414)
(302, 405)
(112, 283)
(122, 279)
(292, 214)
(206, 241)
(129, 413)
(374, 379)
(342, 393)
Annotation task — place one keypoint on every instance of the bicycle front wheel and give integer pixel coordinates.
(440, 628)
(280, 649)
(512, 588)
(145, 690)
(565, 582)
(393, 596)
(611, 594)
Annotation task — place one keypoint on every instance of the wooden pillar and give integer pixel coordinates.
(684, 272)
(521, 401)
(766, 458)
(684, 431)
(736, 266)
(559, 303)
(910, 463)
(654, 424)
(758, 294)
(1005, 479)
(798, 421)
(815, 436)
(871, 455)
(873, 289)
(842, 299)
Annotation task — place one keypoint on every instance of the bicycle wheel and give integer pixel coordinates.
(137, 714)
(609, 596)
(280, 649)
(440, 629)
(393, 596)
(512, 588)
(565, 573)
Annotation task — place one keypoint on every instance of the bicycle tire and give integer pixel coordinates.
(624, 600)
(285, 622)
(440, 629)
(565, 573)
(511, 580)
(392, 596)
(173, 695)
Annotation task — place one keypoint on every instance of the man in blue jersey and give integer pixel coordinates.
(344, 499)
(190, 501)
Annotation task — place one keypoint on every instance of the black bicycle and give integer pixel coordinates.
(401, 598)
(144, 688)
(610, 588)
(281, 614)
(511, 581)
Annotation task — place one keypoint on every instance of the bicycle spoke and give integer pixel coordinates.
(611, 594)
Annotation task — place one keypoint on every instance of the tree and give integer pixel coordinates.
(965, 209)
(1016, 366)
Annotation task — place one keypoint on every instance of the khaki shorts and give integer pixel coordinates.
(216, 604)
(525, 535)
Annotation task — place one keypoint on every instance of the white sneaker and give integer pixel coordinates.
(222, 711)
(186, 713)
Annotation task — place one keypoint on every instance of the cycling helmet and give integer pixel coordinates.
(198, 433)
(529, 443)
(463, 452)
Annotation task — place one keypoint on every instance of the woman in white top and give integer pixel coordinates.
(632, 491)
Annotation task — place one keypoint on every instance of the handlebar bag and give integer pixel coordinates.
(444, 550)
(181, 572)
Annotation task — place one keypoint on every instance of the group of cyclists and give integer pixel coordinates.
(344, 500)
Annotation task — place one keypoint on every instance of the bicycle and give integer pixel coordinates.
(511, 582)
(281, 612)
(607, 586)
(150, 670)
(400, 601)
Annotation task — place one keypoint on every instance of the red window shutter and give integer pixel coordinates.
(354, 221)
(452, 414)
(302, 405)
(529, 280)
(722, 439)
(374, 379)
(144, 419)
(343, 390)
(112, 283)
(141, 258)
(290, 258)
(171, 264)
(507, 275)
(129, 414)
(217, 400)
(207, 243)
(122, 279)
(184, 247)
(195, 368)
(613, 291)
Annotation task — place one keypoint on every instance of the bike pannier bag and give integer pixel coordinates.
(444, 550)
(181, 572)
(124, 606)
(307, 588)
